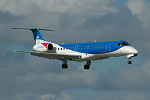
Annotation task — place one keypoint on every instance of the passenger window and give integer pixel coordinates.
(103, 46)
(100, 46)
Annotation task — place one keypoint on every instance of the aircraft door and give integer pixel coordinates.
(108, 49)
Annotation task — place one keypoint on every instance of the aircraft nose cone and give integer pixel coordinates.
(129, 50)
(133, 50)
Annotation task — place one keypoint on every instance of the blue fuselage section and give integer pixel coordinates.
(94, 47)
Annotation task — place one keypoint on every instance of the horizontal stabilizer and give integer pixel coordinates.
(33, 29)
(23, 51)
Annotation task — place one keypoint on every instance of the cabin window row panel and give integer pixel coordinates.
(82, 47)
(61, 48)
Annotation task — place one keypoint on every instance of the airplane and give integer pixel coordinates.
(79, 52)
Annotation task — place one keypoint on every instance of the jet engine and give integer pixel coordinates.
(49, 46)
(43, 47)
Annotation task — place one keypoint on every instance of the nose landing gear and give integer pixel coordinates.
(129, 57)
(129, 62)
(87, 66)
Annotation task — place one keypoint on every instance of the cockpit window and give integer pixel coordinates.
(119, 44)
(123, 44)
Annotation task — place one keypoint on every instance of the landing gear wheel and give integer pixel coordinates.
(64, 66)
(86, 67)
(129, 62)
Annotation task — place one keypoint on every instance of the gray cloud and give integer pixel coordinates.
(22, 75)
(39, 77)
(136, 95)
(28, 77)
(134, 78)
(59, 6)
(141, 9)
(62, 96)
(119, 24)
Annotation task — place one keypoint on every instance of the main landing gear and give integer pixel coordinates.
(65, 65)
(87, 66)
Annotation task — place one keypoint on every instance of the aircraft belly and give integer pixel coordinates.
(86, 57)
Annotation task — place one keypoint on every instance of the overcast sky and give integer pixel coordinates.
(25, 77)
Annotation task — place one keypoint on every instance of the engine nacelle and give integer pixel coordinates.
(49, 46)
(43, 47)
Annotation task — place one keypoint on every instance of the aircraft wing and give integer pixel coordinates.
(52, 55)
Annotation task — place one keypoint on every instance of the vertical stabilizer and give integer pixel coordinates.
(37, 35)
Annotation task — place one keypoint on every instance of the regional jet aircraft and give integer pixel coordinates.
(79, 51)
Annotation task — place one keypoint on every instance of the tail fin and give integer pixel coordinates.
(36, 34)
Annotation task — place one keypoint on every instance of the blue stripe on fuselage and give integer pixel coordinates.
(93, 47)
